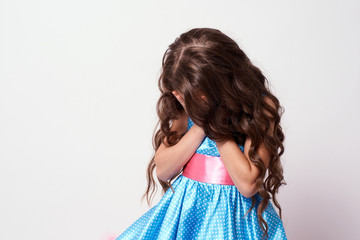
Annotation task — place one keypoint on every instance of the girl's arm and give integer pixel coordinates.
(170, 160)
(241, 170)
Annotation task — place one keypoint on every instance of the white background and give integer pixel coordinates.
(78, 90)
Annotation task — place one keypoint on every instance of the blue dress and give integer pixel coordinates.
(200, 210)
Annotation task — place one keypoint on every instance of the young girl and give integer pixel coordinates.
(219, 135)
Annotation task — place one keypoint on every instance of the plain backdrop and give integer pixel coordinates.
(78, 91)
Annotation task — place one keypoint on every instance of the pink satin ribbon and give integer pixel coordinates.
(206, 168)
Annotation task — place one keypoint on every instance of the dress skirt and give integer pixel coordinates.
(199, 210)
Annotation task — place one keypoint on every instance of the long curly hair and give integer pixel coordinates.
(205, 61)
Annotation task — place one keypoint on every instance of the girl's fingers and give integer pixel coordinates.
(180, 99)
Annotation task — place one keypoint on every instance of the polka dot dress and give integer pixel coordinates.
(199, 210)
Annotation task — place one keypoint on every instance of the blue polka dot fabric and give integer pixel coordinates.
(203, 211)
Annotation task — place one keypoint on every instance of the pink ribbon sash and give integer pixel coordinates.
(206, 168)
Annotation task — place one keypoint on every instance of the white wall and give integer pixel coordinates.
(78, 88)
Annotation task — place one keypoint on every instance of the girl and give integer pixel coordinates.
(219, 135)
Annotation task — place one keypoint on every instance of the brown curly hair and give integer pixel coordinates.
(206, 61)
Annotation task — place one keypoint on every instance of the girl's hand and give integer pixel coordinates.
(180, 98)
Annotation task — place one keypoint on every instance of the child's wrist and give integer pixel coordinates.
(199, 129)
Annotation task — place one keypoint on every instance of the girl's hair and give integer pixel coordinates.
(205, 61)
